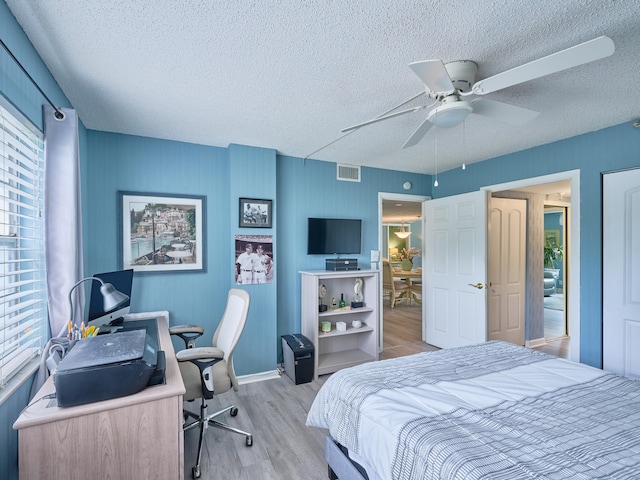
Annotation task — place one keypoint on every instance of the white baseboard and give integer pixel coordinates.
(537, 342)
(258, 377)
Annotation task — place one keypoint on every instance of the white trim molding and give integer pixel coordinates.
(258, 377)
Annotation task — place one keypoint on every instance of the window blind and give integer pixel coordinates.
(23, 299)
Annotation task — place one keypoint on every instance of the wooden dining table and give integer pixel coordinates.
(409, 276)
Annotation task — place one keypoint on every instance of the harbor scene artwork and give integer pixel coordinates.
(162, 232)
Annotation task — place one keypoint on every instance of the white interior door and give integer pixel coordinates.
(621, 273)
(507, 269)
(454, 305)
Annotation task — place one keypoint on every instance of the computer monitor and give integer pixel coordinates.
(122, 281)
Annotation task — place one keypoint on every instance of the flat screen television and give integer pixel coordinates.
(122, 281)
(334, 236)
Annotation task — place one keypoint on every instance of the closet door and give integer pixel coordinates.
(621, 272)
(507, 268)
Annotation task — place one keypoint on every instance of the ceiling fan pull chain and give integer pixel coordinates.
(464, 146)
(435, 184)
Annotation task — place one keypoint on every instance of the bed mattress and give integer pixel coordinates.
(493, 410)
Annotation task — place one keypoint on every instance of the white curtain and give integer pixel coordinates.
(63, 216)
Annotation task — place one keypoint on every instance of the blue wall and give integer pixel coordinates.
(123, 162)
(253, 175)
(299, 189)
(9, 412)
(310, 189)
(595, 153)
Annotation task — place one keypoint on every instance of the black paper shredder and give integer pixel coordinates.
(297, 351)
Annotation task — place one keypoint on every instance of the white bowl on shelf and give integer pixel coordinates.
(356, 324)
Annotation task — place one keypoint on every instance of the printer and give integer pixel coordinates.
(107, 366)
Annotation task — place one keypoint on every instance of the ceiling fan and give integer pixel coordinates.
(449, 84)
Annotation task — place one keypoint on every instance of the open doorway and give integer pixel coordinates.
(555, 319)
(556, 329)
(554, 188)
(401, 309)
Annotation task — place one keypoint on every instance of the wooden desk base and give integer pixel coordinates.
(138, 441)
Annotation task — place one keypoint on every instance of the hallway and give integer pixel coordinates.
(554, 318)
(403, 331)
(403, 327)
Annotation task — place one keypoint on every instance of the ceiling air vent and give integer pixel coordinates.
(348, 173)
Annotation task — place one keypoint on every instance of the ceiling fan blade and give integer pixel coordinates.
(503, 111)
(586, 52)
(420, 132)
(381, 118)
(434, 75)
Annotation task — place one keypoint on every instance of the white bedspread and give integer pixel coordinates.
(493, 410)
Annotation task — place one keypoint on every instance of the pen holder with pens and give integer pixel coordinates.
(75, 333)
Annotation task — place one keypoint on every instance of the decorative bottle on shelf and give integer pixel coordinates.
(341, 304)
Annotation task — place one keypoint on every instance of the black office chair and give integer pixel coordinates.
(207, 371)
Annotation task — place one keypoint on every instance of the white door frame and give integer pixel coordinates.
(573, 267)
(401, 197)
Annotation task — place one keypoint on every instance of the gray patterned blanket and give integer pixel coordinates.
(489, 411)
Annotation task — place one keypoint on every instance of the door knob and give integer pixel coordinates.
(478, 285)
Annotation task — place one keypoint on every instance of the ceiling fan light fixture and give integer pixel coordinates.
(450, 114)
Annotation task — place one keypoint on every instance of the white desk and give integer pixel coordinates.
(137, 436)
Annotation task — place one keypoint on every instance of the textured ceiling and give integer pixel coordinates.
(395, 211)
(291, 74)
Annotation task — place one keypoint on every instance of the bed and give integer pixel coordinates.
(492, 410)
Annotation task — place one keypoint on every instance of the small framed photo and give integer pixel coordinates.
(161, 232)
(255, 213)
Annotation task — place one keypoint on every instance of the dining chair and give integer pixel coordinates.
(395, 289)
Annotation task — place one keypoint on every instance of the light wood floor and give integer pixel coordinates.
(403, 331)
(275, 411)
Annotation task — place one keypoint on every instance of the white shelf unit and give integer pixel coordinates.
(336, 350)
